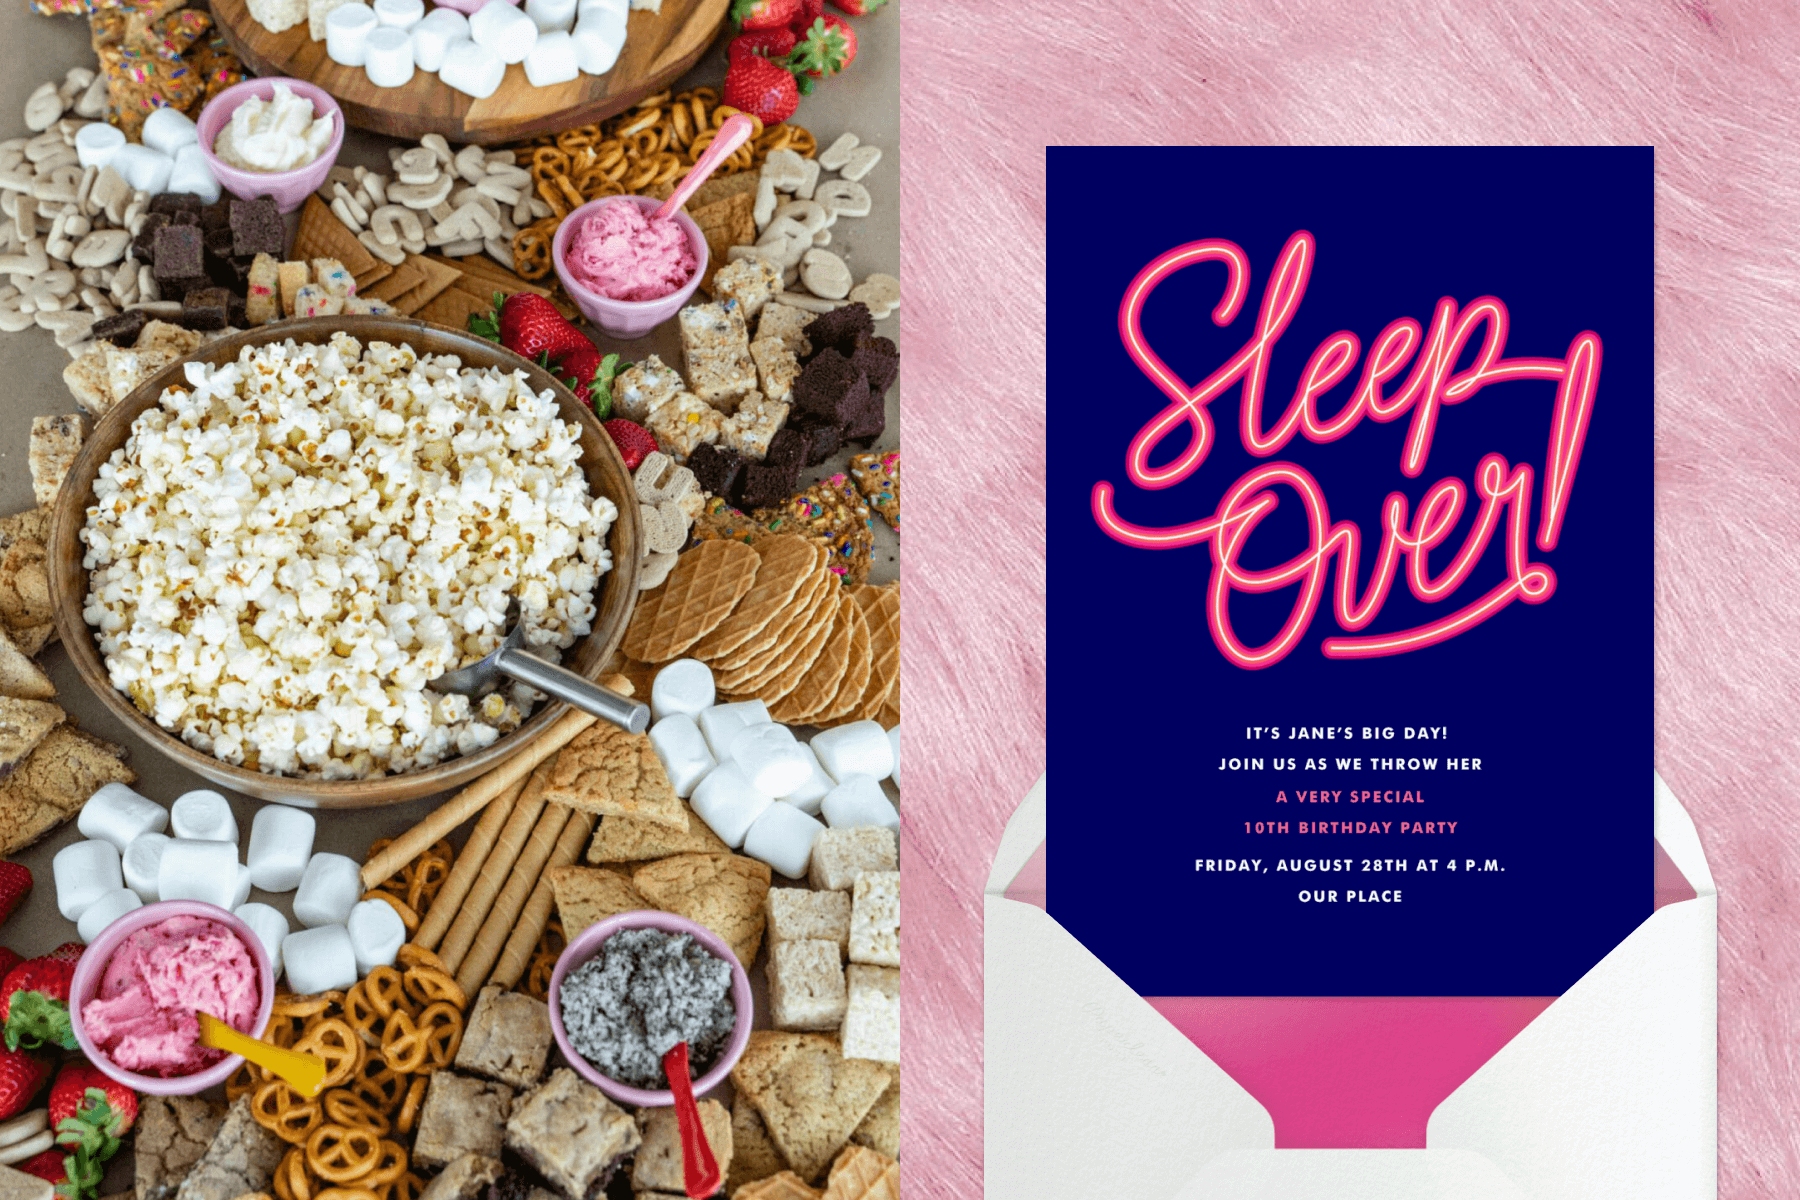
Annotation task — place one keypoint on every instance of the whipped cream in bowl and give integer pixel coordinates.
(278, 134)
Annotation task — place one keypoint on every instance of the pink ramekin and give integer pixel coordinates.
(92, 968)
(626, 319)
(584, 947)
(290, 188)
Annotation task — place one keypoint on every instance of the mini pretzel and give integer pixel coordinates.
(346, 1108)
(408, 916)
(292, 1180)
(342, 1155)
(377, 1083)
(300, 1006)
(424, 885)
(361, 1014)
(537, 978)
(334, 1041)
(280, 1110)
(441, 849)
(243, 1081)
(402, 1045)
(441, 1027)
(428, 985)
(409, 1108)
(414, 955)
(407, 1187)
(390, 1165)
(385, 991)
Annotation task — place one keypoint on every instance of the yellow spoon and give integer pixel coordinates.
(303, 1072)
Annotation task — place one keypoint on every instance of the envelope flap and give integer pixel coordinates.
(1680, 840)
(1025, 832)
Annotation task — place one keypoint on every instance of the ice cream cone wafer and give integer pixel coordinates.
(700, 593)
(786, 562)
(881, 609)
(857, 669)
(776, 633)
(818, 684)
(863, 1174)
(800, 646)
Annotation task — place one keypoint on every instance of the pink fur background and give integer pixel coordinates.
(1712, 85)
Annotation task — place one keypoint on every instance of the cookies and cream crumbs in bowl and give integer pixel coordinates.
(289, 542)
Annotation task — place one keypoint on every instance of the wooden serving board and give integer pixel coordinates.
(659, 48)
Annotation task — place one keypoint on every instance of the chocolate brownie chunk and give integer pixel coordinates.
(177, 289)
(718, 471)
(218, 244)
(880, 368)
(178, 252)
(236, 313)
(838, 329)
(257, 227)
(143, 245)
(830, 389)
(767, 484)
(122, 329)
(205, 308)
(866, 421)
(216, 215)
(879, 345)
(789, 445)
(174, 202)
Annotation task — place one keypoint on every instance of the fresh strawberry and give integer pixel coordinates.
(527, 324)
(76, 1176)
(765, 14)
(15, 885)
(826, 48)
(34, 1004)
(810, 11)
(67, 952)
(600, 390)
(90, 1111)
(9, 958)
(767, 43)
(859, 8)
(763, 88)
(21, 1075)
(588, 375)
(633, 440)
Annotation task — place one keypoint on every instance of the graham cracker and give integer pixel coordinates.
(587, 895)
(725, 223)
(785, 564)
(23, 724)
(818, 686)
(631, 839)
(52, 784)
(754, 1157)
(860, 1173)
(699, 594)
(790, 619)
(453, 307)
(723, 892)
(608, 771)
(19, 676)
(437, 277)
(881, 609)
(322, 235)
(880, 1130)
(373, 276)
(810, 1096)
(401, 278)
(857, 670)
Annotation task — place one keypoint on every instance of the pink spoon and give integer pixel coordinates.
(732, 134)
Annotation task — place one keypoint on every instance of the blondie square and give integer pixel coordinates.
(460, 1116)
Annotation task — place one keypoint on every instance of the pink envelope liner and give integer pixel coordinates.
(1349, 1072)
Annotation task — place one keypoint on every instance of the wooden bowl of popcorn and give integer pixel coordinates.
(288, 554)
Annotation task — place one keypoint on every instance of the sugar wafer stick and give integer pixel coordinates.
(492, 877)
(495, 930)
(471, 800)
(535, 918)
(468, 865)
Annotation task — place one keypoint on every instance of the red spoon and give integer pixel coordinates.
(699, 1169)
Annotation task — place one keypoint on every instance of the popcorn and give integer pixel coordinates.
(289, 548)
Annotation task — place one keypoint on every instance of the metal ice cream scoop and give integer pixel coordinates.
(510, 660)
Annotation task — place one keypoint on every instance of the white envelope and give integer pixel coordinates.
(1610, 1092)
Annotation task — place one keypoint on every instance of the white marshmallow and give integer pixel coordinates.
(347, 30)
(193, 175)
(389, 61)
(166, 130)
(376, 933)
(894, 745)
(203, 816)
(721, 723)
(728, 804)
(500, 27)
(684, 686)
(613, 10)
(319, 960)
(859, 748)
(806, 796)
(199, 870)
(84, 872)
(433, 37)
(104, 911)
(143, 862)
(119, 815)
(551, 16)
(598, 39)
(552, 60)
(96, 143)
(240, 891)
(281, 840)
(783, 837)
(400, 14)
(859, 801)
(269, 926)
(329, 889)
(143, 168)
(473, 70)
(682, 749)
(770, 758)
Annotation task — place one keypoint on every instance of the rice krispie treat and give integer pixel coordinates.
(776, 366)
(644, 387)
(786, 324)
(749, 281)
(683, 423)
(715, 345)
(756, 422)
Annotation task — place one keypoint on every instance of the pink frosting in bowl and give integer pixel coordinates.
(620, 253)
(137, 987)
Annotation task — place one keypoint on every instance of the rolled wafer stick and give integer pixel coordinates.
(494, 931)
(497, 869)
(471, 800)
(535, 918)
(468, 865)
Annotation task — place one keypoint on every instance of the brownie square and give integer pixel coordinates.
(867, 421)
(767, 484)
(205, 308)
(177, 289)
(218, 244)
(143, 245)
(123, 328)
(825, 442)
(236, 314)
(879, 345)
(171, 203)
(788, 445)
(830, 389)
(838, 329)
(880, 368)
(717, 470)
(257, 228)
(216, 215)
(178, 252)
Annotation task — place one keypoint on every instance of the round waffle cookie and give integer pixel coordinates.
(818, 685)
(786, 563)
(857, 669)
(789, 659)
(700, 593)
(881, 609)
(777, 634)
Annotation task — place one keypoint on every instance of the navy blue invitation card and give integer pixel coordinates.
(1350, 566)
